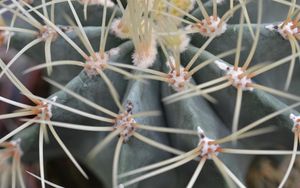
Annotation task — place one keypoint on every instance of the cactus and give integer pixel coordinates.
(152, 93)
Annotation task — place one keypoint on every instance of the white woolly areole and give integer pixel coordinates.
(284, 30)
(96, 63)
(126, 122)
(146, 55)
(234, 75)
(177, 81)
(16, 143)
(46, 109)
(109, 3)
(46, 32)
(119, 29)
(211, 26)
(185, 41)
(296, 121)
(205, 143)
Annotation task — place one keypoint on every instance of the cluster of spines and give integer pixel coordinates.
(143, 22)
